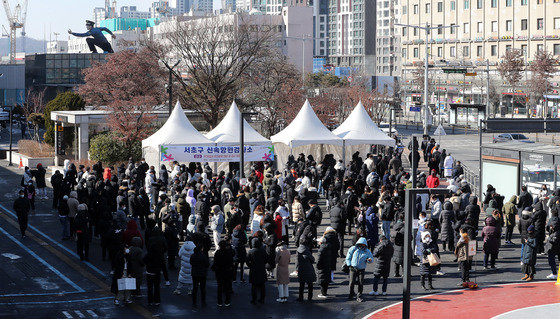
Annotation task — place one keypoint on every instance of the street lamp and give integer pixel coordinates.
(427, 29)
(170, 83)
(302, 39)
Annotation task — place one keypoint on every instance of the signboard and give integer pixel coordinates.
(470, 74)
(212, 153)
(350, 79)
(60, 146)
(439, 131)
(460, 71)
(415, 109)
(472, 248)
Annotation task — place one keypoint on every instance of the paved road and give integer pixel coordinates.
(44, 278)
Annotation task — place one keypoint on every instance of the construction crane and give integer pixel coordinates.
(17, 21)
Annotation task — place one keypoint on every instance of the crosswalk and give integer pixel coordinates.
(71, 314)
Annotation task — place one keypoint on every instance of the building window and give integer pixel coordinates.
(452, 5)
(508, 48)
(440, 29)
(465, 4)
(493, 50)
(524, 49)
(440, 6)
(404, 31)
(415, 9)
(523, 24)
(466, 27)
(556, 23)
(466, 50)
(415, 31)
(539, 24)
(479, 27)
(452, 52)
(428, 7)
(508, 3)
(523, 2)
(540, 47)
(493, 3)
(403, 10)
(479, 50)
(494, 26)
(479, 4)
(404, 53)
(439, 52)
(539, 1)
(452, 28)
(415, 52)
(508, 25)
(557, 49)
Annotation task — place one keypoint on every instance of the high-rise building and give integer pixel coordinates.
(132, 12)
(99, 14)
(180, 6)
(351, 33)
(229, 6)
(320, 28)
(388, 39)
(204, 6)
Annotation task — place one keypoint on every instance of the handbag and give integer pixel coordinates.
(126, 284)
(433, 259)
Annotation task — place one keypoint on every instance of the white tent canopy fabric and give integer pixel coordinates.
(177, 130)
(306, 129)
(227, 132)
(358, 129)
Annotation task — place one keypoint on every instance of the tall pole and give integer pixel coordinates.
(409, 206)
(241, 148)
(487, 89)
(303, 63)
(170, 89)
(426, 106)
(11, 123)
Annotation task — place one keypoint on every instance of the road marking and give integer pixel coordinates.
(79, 313)
(92, 313)
(11, 256)
(67, 314)
(54, 302)
(57, 243)
(42, 261)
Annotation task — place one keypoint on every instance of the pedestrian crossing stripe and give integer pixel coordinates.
(69, 314)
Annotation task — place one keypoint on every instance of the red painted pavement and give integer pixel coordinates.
(485, 302)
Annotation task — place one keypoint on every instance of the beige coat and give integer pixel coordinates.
(282, 264)
(297, 212)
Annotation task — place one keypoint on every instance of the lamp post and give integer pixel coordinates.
(170, 83)
(303, 38)
(427, 29)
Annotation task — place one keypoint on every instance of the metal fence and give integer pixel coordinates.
(472, 177)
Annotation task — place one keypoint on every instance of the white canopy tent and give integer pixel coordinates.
(177, 130)
(305, 130)
(227, 132)
(359, 129)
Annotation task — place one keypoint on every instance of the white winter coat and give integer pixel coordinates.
(185, 254)
(448, 166)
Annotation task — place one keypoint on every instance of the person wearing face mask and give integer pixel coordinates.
(22, 206)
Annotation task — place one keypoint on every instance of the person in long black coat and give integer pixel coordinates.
(383, 253)
(473, 211)
(338, 223)
(238, 243)
(256, 261)
(22, 206)
(223, 267)
(326, 262)
(398, 240)
(199, 272)
(306, 272)
(539, 220)
(446, 220)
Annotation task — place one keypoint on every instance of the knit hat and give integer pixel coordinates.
(426, 237)
(329, 229)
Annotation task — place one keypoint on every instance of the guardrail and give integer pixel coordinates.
(472, 177)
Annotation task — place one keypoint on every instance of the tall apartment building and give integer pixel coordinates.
(481, 29)
(133, 13)
(204, 6)
(320, 27)
(388, 39)
(99, 14)
(180, 6)
(351, 33)
(229, 6)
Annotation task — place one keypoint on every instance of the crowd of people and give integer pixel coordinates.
(196, 220)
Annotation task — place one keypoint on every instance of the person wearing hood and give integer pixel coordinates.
(473, 211)
(40, 181)
(491, 245)
(131, 232)
(82, 227)
(199, 272)
(372, 227)
(510, 212)
(383, 254)
(171, 234)
(136, 265)
(326, 262)
(217, 225)
(120, 216)
(256, 261)
(539, 221)
(552, 247)
(338, 223)
(306, 271)
(22, 207)
(427, 247)
(63, 217)
(524, 200)
(185, 276)
(282, 272)
(357, 258)
(163, 175)
(56, 182)
(157, 245)
(529, 255)
(149, 183)
(446, 220)
(432, 181)
(398, 240)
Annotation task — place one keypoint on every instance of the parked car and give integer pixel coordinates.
(508, 137)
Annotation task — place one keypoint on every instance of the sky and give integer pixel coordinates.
(45, 17)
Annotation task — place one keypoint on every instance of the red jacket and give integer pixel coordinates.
(432, 181)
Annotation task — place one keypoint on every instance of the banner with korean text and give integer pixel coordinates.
(212, 153)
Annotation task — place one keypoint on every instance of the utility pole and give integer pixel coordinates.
(487, 89)
(426, 29)
(302, 39)
(170, 83)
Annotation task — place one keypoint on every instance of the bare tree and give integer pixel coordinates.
(511, 70)
(216, 54)
(33, 110)
(543, 67)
